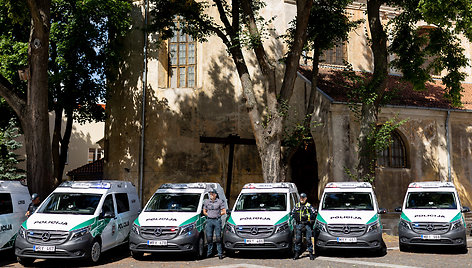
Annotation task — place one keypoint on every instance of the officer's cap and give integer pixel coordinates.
(303, 195)
(34, 196)
(212, 191)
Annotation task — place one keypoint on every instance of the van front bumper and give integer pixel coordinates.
(70, 249)
(276, 241)
(409, 237)
(179, 243)
(370, 240)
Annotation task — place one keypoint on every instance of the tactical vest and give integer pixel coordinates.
(304, 212)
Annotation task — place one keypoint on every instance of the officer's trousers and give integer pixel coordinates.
(299, 229)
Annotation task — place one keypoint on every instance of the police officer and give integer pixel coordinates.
(304, 215)
(35, 201)
(213, 208)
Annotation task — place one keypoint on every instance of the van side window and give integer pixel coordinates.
(122, 203)
(205, 197)
(6, 205)
(292, 201)
(108, 205)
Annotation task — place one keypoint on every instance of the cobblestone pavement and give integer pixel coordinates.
(427, 257)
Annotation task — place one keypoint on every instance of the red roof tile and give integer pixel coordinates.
(90, 171)
(334, 84)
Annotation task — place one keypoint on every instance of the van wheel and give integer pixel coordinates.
(25, 261)
(462, 249)
(137, 255)
(382, 251)
(95, 251)
(200, 250)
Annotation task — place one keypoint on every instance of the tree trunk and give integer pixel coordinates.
(370, 110)
(36, 121)
(55, 145)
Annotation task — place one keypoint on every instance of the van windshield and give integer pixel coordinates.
(71, 203)
(347, 201)
(262, 201)
(180, 202)
(431, 200)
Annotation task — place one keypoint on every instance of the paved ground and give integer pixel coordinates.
(427, 257)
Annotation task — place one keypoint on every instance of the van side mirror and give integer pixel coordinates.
(108, 215)
(228, 212)
(465, 209)
(382, 211)
(316, 211)
(398, 209)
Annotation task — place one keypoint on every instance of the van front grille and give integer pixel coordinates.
(347, 229)
(46, 237)
(256, 231)
(159, 232)
(430, 227)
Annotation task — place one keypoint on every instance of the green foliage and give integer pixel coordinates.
(8, 159)
(300, 133)
(83, 46)
(367, 178)
(422, 50)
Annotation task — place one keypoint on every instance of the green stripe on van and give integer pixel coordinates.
(373, 219)
(24, 224)
(457, 217)
(283, 219)
(84, 224)
(137, 222)
(320, 219)
(230, 220)
(193, 219)
(403, 216)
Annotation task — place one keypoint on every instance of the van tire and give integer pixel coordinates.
(137, 255)
(25, 261)
(200, 248)
(95, 251)
(462, 249)
(382, 251)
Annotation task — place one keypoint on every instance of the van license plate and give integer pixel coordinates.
(347, 239)
(157, 242)
(254, 241)
(44, 248)
(431, 237)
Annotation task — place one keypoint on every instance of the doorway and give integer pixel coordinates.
(304, 171)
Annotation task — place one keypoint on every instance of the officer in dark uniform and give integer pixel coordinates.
(304, 215)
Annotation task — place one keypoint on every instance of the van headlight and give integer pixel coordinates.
(187, 228)
(374, 226)
(76, 234)
(321, 226)
(230, 228)
(22, 232)
(281, 227)
(135, 228)
(405, 224)
(457, 224)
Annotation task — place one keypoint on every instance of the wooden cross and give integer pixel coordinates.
(232, 139)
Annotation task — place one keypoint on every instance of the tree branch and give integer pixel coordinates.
(36, 16)
(292, 62)
(235, 13)
(15, 101)
(223, 17)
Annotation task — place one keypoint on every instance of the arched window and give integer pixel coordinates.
(394, 156)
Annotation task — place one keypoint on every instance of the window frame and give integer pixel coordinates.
(118, 199)
(174, 70)
(390, 151)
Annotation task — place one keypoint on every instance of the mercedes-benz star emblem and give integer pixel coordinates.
(346, 229)
(46, 236)
(254, 230)
(430, 227)
(158, 232)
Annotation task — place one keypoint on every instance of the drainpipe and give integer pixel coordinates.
(448, 146)
(143, 109)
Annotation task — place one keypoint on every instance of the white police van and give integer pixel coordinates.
(261, 218)
(79, 220)
(14, 201)
(432, 215)
(348, 217)
(172, 220)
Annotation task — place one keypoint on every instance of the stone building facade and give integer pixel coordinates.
(202, 98)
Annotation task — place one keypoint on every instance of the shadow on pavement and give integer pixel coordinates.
(437, 250)
(7, 258)
(351, 253)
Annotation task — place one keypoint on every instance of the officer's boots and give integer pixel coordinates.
(312, 256)
(297, 255)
